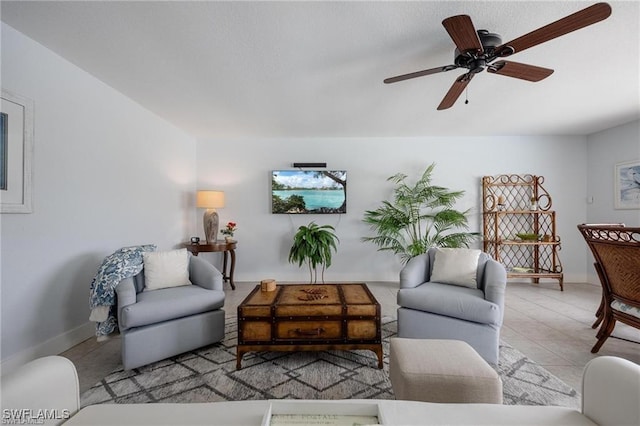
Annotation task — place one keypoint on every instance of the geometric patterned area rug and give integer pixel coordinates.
(209, 374)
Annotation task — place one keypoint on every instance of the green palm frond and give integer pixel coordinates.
(421, 216)
(313, 245)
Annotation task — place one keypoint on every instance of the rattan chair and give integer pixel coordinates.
(600, 312)
(616, 250)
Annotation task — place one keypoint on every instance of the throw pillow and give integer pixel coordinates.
(456, 266)
(163, 269)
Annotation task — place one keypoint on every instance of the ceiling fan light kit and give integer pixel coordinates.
(477, 50)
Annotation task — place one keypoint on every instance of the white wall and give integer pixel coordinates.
(604, 150)
(107, 173)
(242, 168)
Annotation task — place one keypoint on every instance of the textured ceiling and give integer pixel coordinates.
(315, 69)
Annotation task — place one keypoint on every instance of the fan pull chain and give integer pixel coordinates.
(466, 95)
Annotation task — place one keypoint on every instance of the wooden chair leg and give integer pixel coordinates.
(603, 334)
(600, 311)
(597, 322)
(605, 322)
(599, 314)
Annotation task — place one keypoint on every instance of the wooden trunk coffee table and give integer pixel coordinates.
(309, 317)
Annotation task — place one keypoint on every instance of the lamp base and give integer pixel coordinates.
(211, 222)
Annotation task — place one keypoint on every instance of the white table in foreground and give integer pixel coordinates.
(248, 413)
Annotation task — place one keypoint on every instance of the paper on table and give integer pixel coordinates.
(322, 420)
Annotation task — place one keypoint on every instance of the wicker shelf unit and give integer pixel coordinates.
(520, 227)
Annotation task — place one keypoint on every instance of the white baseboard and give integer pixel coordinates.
(568, 278)
(53, 346)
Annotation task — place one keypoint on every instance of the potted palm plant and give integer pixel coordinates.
(421, 216)
(313, 244)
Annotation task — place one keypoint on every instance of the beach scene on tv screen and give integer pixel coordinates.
(309, 191)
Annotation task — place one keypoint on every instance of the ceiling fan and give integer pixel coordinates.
(477, 50)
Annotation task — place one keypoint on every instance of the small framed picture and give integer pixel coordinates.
(627, 185)
(195, 240)
(16, 153)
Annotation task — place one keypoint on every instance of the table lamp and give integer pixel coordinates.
(210, 200)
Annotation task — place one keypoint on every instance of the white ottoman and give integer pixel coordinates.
(441, 371)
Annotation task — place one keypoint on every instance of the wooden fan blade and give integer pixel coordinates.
(518, 70)
(573, 22)
(463, 33)
(419, 74)
(455, 91)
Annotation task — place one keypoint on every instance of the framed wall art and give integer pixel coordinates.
(627, 185)
(16, 153)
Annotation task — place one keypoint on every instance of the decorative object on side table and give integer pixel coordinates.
(210, 200)
(228, 231)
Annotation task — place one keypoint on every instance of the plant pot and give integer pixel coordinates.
(228, 239)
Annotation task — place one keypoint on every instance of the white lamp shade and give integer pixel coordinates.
(210, 199)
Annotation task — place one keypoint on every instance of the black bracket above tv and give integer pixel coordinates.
(309, 165)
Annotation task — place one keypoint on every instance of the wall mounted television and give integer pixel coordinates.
(309, 191)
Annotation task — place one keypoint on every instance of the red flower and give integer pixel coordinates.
(229, 229)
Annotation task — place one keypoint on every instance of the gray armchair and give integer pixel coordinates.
(158, 324)
(432, 310)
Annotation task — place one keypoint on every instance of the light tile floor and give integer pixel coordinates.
(551, 327)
